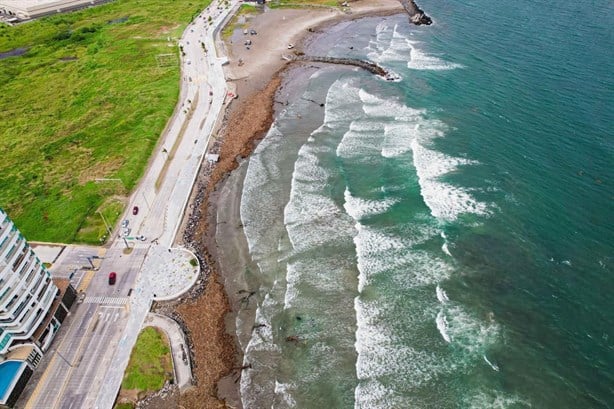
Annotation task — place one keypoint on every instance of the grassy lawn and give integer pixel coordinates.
(150, 363)
(88, 100)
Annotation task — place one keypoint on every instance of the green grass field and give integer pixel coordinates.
(150, 362)
(88, 100)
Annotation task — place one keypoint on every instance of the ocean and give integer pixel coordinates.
(445, 240)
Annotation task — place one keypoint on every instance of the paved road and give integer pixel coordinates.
(87, 365)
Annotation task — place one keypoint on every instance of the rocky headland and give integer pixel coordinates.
(416, 15)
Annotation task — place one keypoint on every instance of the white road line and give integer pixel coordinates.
(107, 300)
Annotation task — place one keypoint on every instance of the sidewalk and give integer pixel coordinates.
(179, 347)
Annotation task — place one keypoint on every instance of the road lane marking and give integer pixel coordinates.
(85, 281)
(107, 300)
(68, 378)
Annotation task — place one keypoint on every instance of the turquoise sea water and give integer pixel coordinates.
(445, 241)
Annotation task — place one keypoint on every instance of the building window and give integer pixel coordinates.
(5, 340)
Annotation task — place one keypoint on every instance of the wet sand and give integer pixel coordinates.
(210, 313)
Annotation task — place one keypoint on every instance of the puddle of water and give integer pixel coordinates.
(16, 52)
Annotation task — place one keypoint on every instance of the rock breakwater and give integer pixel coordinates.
(416, 15)
(367, 65)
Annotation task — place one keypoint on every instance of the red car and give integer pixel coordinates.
(112, 278)
(135, 210)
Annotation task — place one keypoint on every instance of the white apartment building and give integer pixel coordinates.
(32, 308)
(28, 9)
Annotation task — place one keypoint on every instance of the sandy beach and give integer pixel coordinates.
(210, 313)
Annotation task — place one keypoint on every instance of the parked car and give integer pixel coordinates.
(125, 223)
(112, 277)
(253, 32)
(135, 210)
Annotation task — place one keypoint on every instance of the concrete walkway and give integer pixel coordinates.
(179, 347)
(170, 272)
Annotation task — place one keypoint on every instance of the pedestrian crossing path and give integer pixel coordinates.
(107, 300)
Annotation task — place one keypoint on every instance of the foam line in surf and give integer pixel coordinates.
(359, 208)
(442, 326)
(420, 60)
(441, 295)
(445, 201)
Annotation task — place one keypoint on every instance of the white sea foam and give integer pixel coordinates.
(466, 331)
(445, 200)
(257, 184)
(327, 275)
(444, 246)
(262, 352)
(263, 339)
(360, 208)
(495, 367)
(372, 394)
(397, 139)
(422, 269)
(311, 217)
(401, 124)
(389, 45)
(410, 131)
(442, 326)
(375, 106)
(382, 37)
(495, 400)
(284, 392)
(441, 295)
(382, 355)
(378, 251)
(361, 140)
(420, 60)
(339, 100)
(313, 220)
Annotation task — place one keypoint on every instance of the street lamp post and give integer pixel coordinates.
(91, 262)
(106, 224)
(146, 202)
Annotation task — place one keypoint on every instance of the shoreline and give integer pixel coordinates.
(211, 309)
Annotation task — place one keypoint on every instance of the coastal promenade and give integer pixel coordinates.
(85, 367)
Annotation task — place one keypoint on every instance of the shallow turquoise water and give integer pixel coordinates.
(446, 240)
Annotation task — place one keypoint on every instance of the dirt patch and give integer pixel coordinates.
(101, 170)
(128, 396)
(165, 30)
